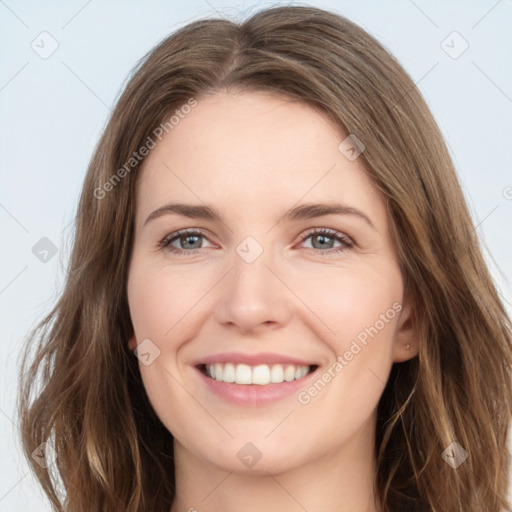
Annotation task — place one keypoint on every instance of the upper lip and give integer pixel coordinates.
(251, 359)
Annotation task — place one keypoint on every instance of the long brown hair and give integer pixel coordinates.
(80, 387)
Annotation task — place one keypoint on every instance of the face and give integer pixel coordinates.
(260, 318)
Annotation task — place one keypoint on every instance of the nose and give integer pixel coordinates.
(253, 297)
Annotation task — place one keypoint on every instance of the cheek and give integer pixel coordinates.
(349, 302)
(356, 312)
(162, 302)
(361, 307)
(160, 298)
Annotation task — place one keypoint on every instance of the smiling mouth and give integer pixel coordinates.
(260, 375)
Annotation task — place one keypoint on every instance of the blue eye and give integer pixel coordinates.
(325, 239)
(186, 238)
(190, 241)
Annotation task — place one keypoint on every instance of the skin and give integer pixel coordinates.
(253, 156)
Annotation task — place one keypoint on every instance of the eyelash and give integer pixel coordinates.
(165, 243)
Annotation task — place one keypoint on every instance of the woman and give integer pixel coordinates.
(332, 340)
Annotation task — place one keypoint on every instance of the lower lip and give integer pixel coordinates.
(254, 395)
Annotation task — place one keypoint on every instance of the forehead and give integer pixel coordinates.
(251, 153)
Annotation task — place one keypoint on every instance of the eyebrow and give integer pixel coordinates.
(301, 212)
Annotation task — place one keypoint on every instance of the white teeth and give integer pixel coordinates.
(261, 375)
(242, 374)
(218, 371)
(229, 373)
(289, 373)
(277, 374)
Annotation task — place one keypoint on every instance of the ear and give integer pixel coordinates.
(407, 342)
(132, 343)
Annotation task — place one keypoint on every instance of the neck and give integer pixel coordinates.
(339, 481)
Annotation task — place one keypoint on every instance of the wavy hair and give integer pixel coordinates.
(80, 389)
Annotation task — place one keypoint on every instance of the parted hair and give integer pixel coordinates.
(80, 388)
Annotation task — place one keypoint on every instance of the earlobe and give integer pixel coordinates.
(405, 351)
(407, 342)
(132, 343)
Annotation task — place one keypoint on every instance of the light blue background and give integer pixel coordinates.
(53, 111)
